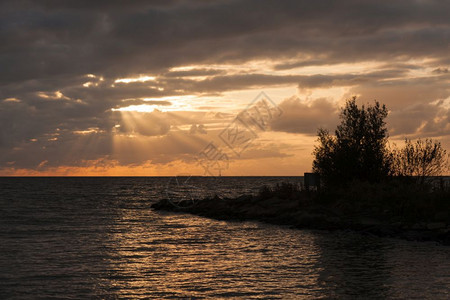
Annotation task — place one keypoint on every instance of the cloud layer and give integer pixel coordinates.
(70, 69)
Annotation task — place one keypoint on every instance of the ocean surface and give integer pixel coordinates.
(97, 238)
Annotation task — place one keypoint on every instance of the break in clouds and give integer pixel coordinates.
(65, 99)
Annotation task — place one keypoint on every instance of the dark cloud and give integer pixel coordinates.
(421, 120)
(263, 151)
(194, 72)
(319, 80)
(197, 129)
(129, 102)
(306, 116)
(440, 71)
(51, 38)
(399, 94)
(222, 83)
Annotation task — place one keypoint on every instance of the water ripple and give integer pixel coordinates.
(97, 238)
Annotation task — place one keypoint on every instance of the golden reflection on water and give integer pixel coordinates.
(187, 256)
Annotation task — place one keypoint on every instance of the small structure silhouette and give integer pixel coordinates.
(312, 180)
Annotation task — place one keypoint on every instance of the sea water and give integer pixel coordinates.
(84, 238)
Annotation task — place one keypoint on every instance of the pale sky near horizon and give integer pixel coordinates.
(144, 88)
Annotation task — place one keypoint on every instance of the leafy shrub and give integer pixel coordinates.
(358, 148)
(423, 158)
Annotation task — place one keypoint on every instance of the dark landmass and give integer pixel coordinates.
(408, 214)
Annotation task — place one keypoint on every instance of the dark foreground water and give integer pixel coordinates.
(83, 238)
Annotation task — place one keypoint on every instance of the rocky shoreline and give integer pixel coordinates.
(297, 214)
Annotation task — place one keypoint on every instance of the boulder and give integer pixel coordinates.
(436, 225)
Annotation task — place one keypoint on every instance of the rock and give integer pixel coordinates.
(366, 221)
(312, 220)
(436, 225)
(422, 235)
(244, 198)
(278, 210)
(161, 204)
(418, 226)
(442, 216)
(445, 238)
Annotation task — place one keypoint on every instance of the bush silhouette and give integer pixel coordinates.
(422, 158)
(358, 148)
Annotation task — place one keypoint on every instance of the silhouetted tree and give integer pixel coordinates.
(358, 149)
(422, 159)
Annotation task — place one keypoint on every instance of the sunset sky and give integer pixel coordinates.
(143, 87)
